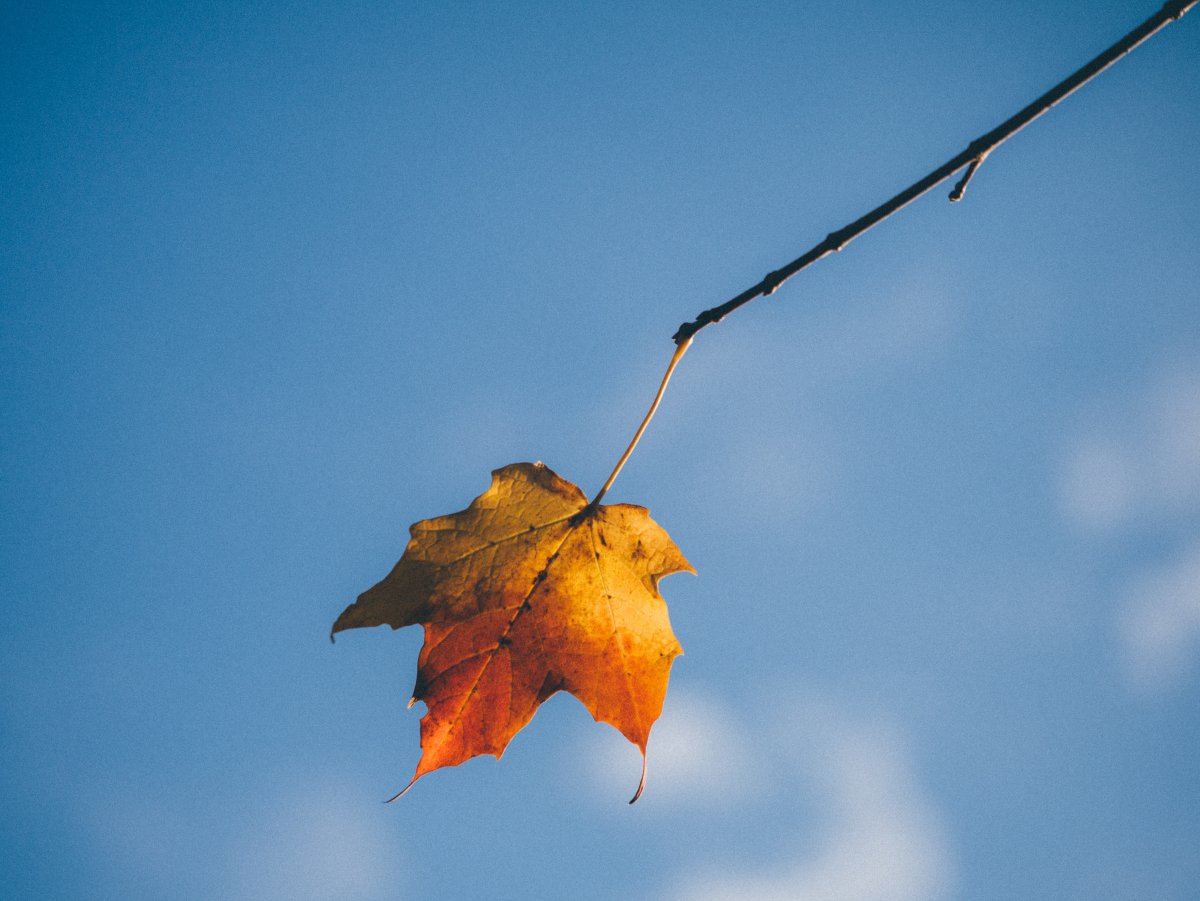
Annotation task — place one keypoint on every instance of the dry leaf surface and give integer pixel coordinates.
(527, 592)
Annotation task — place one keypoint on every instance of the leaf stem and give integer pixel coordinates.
(680, 348)
(973, 156)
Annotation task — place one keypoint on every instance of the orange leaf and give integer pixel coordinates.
(527, 592)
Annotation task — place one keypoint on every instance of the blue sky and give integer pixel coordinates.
(277, 281)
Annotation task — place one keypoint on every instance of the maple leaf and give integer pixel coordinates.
(527, 592)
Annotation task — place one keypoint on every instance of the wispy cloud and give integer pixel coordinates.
(698, 755)
(1140, 466)
(323, 839)
(1159, 623)
(318, 845)
(794, 460)
(883, 838)
(148, 848)
(917, 319)
(1142, 460)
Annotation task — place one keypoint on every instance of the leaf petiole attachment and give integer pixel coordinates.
(680, 349)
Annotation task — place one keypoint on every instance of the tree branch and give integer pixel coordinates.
(973, 156)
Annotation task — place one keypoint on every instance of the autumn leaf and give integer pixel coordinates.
(527, 592)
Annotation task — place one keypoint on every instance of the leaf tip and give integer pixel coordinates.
(402, 791)
(642, 784)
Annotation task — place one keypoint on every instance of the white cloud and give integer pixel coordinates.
(698, 755)
(1142, 460)
(1100, 483)
(882, 838)
(1159, 624)
(1141, 465)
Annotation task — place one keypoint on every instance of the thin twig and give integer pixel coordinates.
(680, 349)
(961, 188)
(973, 156)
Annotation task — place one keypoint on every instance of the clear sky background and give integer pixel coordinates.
(279, 280)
